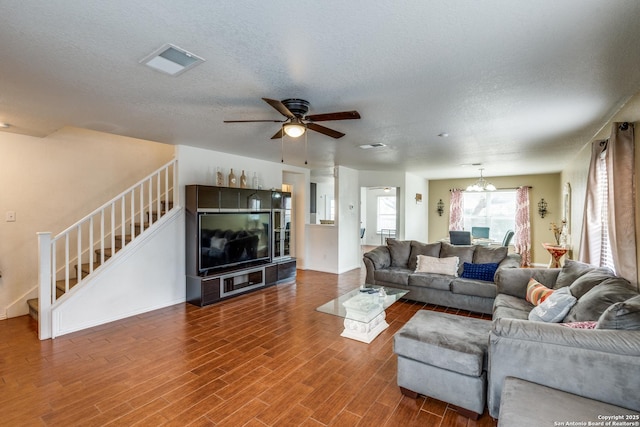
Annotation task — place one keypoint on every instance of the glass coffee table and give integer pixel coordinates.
(363, 310)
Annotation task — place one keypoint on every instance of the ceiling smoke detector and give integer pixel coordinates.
(172, 60)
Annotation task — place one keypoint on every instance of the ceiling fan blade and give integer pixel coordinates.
(343, 115)
(324, 130)
(282, 109)
(253, 121)
(278, 134)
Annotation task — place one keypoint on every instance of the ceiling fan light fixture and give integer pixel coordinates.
(295, 129)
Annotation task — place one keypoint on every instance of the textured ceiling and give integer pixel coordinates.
(519, 86)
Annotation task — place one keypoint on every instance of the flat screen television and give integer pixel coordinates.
(233, 238)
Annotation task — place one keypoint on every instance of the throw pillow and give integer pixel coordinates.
(597, 300)
(622, 315)
(429, 264)
(580, 325)
(464, 253)
(399, 250)
(554, 308)
(537, 292)
(589, 280)
(479, 271)
(570, 271)
(489, 254)
(417, 248)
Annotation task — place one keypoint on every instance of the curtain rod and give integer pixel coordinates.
(497, 189)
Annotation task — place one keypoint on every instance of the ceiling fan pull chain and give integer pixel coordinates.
(306, 150)
(282, 144)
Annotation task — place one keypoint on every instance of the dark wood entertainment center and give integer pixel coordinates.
(207, 285)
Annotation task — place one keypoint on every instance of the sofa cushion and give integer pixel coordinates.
(429, 264)
(537, 292)
(393, 275)
(589, 280)
(597, 300)
(417, 248)
(509, 301)
(621, 315)
(400, 251)
(570, 271)
(554, 308)
(430, 280)
(489, 254)
(477, 288)
(509, 313)
(479, 271)
(464, 253)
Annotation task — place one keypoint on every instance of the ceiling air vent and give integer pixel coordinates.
(172, 60)
(374, 145)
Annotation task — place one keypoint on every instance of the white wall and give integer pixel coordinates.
(197, 166)
(348, 219)
(52, 182)
(150, 276)
(416, 216)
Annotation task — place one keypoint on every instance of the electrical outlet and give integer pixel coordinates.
(11, 216)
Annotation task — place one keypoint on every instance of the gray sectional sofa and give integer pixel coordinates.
(602, 364)
(394, 265)
(588, 353)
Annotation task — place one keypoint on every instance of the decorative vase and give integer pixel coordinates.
(232, 179)
(254, 181)
(219, 178)
(243, 180)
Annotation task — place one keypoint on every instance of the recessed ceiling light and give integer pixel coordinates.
(4, 125)
(374, 145)
(172, 60)
(443, 135)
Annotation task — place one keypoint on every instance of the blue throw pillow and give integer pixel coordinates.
(479, 271)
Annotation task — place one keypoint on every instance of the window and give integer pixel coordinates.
(386, 218)
(493, 209)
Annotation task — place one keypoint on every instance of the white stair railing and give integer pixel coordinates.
(70, 256)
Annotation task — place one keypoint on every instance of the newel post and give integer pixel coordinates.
(44, 285)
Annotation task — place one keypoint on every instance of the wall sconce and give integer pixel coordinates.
(440, 207)
(542, 208)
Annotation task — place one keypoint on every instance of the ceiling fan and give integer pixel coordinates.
(297, 121)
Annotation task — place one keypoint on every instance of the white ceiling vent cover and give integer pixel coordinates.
(172, 60)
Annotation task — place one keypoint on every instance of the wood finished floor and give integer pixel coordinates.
(262, 359)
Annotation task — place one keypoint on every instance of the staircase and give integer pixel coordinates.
(73, 257)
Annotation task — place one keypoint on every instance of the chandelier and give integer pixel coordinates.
(481, 184)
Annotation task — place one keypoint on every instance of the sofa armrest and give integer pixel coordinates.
(599, 364)
(376, 259)
(513, 281)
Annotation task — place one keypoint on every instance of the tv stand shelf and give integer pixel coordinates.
(254, 256)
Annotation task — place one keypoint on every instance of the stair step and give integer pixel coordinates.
(108, 253)
(60, 286)
(85, 268)
(33, 307)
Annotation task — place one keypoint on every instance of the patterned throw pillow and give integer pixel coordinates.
(554, 308)
(479, 271)
(537, 292)
(580, 325)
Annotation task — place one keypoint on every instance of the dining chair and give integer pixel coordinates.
(480, 232)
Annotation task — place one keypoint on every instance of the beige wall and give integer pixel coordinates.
(547, 186)
(52, 182)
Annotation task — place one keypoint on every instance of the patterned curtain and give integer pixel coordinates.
(456, 211)
(522, 238)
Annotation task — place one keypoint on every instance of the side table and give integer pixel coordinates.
(556, 252)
